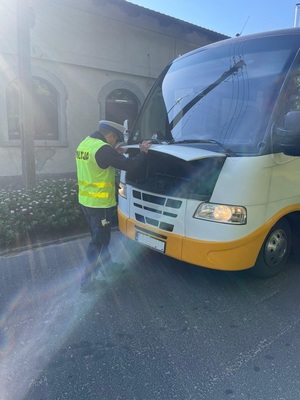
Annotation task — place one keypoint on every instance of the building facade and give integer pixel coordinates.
(89, 60)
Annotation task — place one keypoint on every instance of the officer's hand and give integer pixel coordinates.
(144, 146)
(120, 149)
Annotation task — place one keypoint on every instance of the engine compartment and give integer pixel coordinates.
(168, 175)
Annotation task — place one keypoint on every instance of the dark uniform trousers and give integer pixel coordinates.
(98, 255)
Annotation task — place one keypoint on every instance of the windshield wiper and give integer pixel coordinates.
(158, 138)
(213, 141)
(240, 64)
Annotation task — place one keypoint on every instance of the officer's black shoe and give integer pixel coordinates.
(114, 268)
(92, 286)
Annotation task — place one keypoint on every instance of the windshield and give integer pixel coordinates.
(218, 96)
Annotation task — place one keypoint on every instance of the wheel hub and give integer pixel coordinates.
(276, 247)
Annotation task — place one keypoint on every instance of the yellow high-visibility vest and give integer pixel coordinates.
(96, 185)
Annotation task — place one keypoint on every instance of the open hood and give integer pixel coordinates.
(185, 153)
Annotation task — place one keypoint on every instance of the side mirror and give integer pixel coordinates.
(288, 137)
(126, 131)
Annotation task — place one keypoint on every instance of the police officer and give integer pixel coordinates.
(97, 157)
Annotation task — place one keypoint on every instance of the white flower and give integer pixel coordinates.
(12, 211)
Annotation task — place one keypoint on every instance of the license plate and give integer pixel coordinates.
(149, 241)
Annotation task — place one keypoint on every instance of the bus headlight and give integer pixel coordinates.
(122, 190)
(222, 213)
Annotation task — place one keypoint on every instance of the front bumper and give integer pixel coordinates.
(227, 256)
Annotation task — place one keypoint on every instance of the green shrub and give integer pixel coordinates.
(51, 207)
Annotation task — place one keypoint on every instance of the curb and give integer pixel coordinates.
(33, 246)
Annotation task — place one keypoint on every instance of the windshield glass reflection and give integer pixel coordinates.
(224, 94)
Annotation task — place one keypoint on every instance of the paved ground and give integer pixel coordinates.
(160, 330)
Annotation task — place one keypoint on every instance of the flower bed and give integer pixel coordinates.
(49, 209)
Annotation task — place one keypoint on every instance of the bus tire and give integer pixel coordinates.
(275, 251)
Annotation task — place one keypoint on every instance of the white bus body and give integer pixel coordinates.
(221, 184)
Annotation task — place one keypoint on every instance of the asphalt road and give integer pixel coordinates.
(161, 330)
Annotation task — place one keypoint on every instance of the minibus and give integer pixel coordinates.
(220, 186)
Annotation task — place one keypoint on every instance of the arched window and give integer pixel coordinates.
(49, 110)
(121, 104)
(45, 110)
(13, 110)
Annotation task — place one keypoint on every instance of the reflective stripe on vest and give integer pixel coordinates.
(96, 185)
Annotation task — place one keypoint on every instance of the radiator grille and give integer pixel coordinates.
(158, 211)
